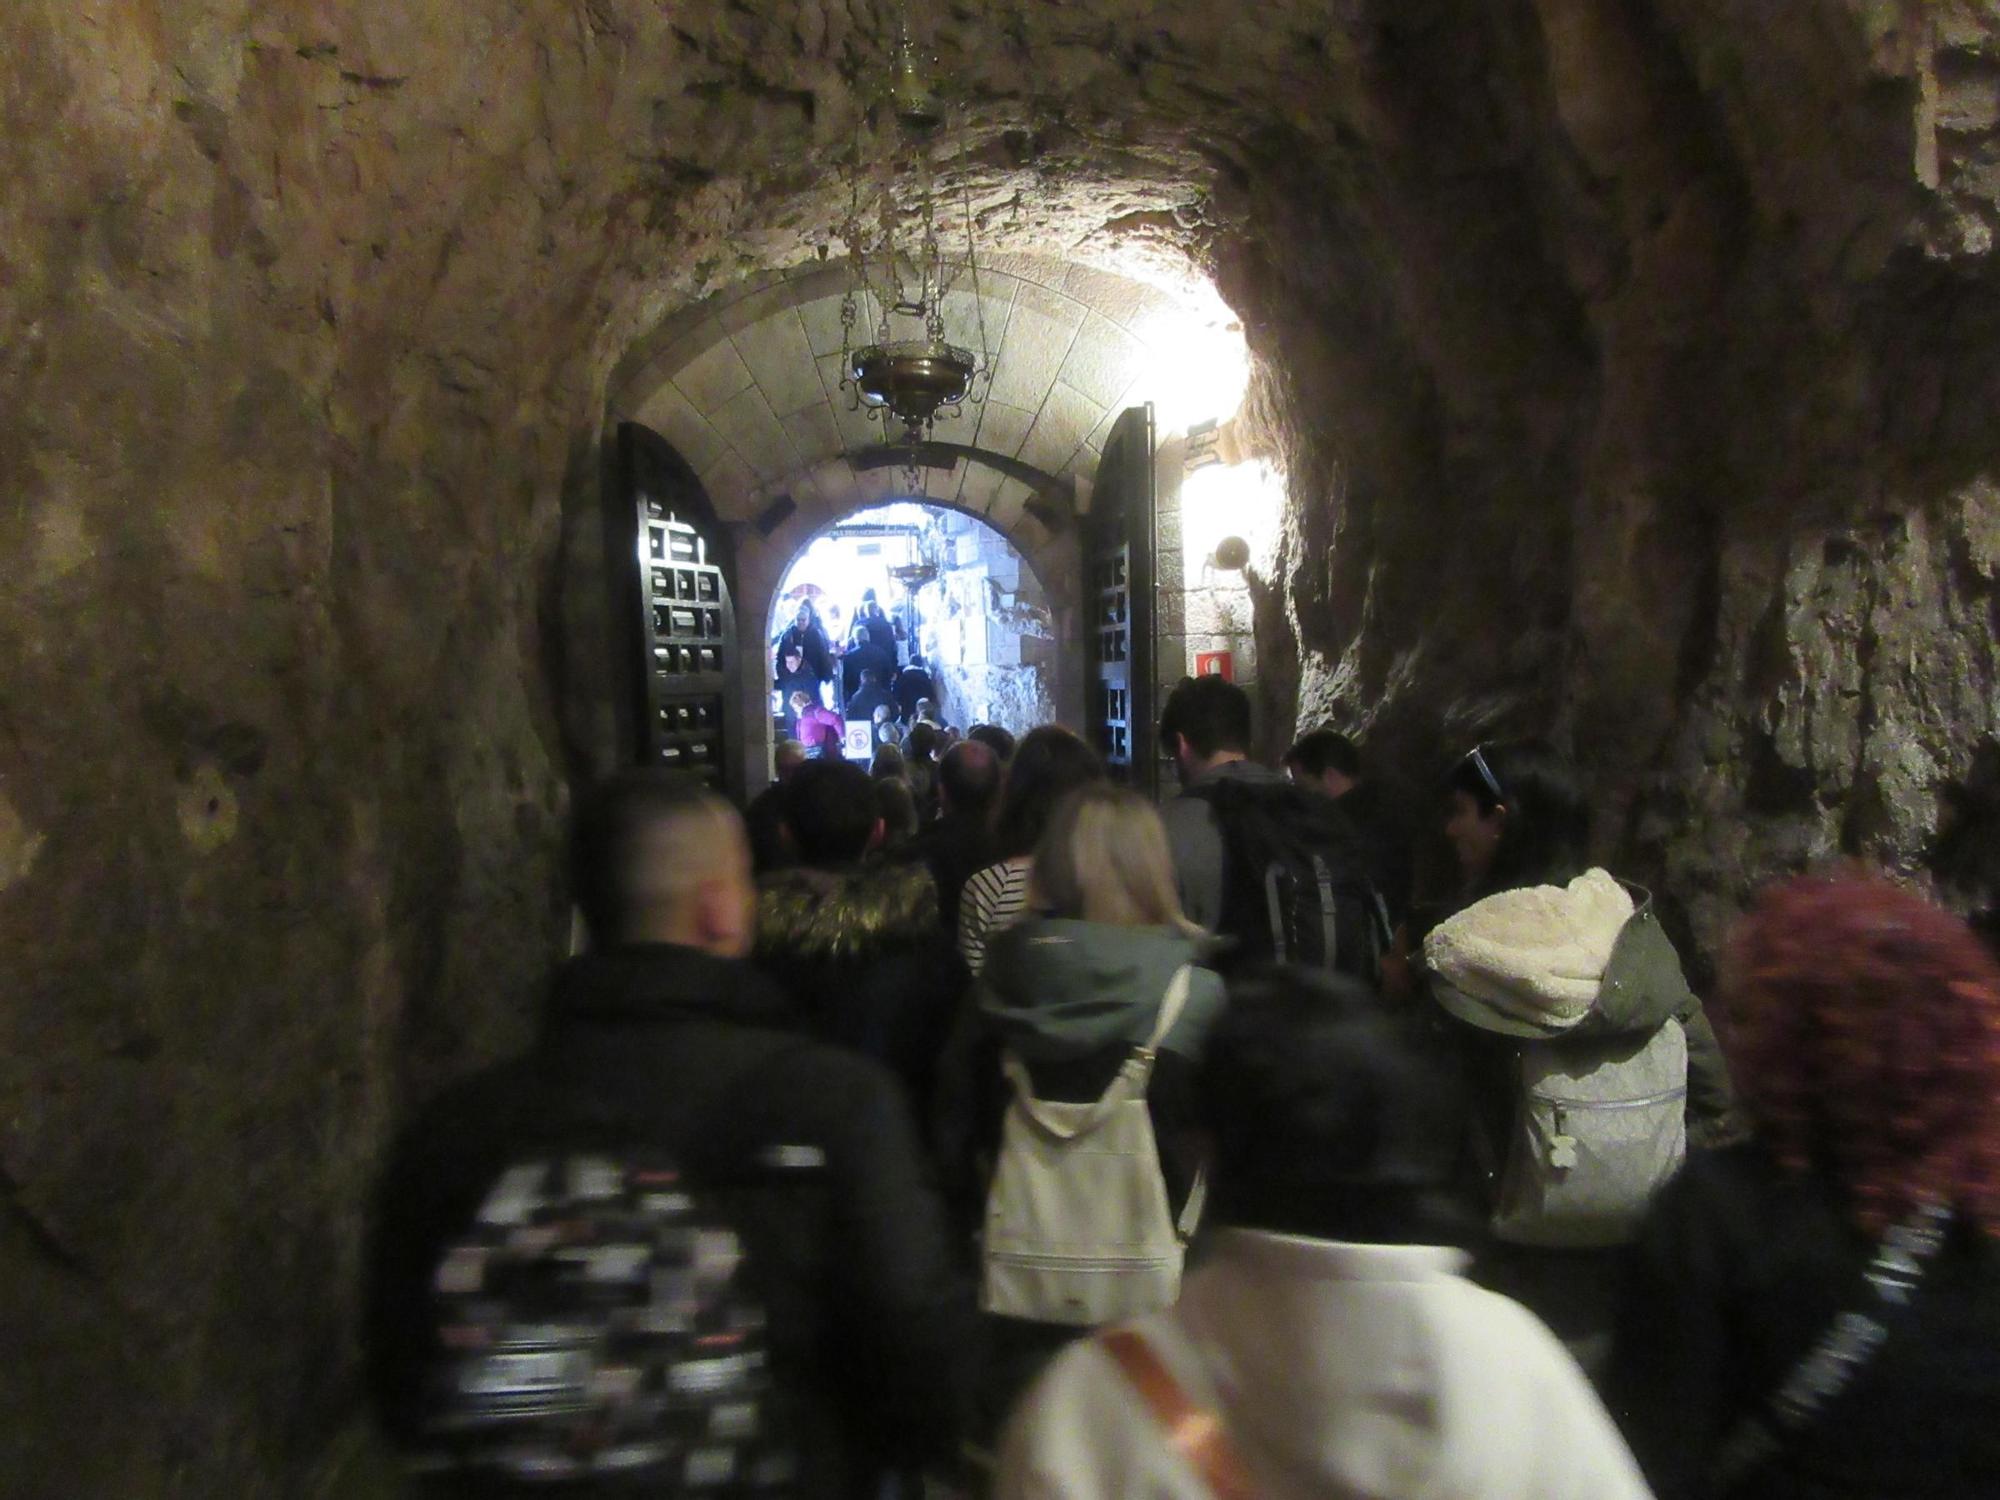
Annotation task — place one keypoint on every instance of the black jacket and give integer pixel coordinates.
(866, 961)
(865, 700)
(870, 1318)
(912, 685)
(810, 642)
(1740, 1269)
(1387, 840)
(956, 847)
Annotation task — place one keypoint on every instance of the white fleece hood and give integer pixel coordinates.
(1536, 955)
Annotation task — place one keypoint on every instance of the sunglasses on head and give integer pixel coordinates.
(1478, 759)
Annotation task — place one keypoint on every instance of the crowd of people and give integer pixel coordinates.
(871, 673)
(1041, 1142)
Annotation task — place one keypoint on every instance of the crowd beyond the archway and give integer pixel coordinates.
(957, 1121)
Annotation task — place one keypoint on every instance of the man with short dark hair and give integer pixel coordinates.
(675, 1045)
(1330, 1343)
(1279, 872)
(1205, 731)
(1328, 761)
(856, 940)
(960, 843)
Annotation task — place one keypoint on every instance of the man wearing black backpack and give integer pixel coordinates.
(1275, 870)
(667, 1053)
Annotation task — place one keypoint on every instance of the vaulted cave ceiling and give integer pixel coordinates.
(747, 386)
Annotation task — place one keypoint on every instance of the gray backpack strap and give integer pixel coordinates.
(1329, 929)
(1275, 909)
(1171, 1007)
(1197, 1200)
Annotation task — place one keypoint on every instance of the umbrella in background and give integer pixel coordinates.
(805, 591)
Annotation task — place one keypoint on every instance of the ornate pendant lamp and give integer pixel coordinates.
(903, 367)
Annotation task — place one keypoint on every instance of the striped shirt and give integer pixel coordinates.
(994, 900)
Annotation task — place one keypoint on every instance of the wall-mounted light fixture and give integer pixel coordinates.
(1231, 555)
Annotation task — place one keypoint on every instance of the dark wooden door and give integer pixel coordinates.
(690, 713)
(1118, 573)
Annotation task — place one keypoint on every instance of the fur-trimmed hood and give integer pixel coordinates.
(845, 916)
(1588, 958)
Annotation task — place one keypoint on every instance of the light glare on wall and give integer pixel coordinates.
(1230, 500)
(1202, 376)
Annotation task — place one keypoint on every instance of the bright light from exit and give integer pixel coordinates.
(1198, 365)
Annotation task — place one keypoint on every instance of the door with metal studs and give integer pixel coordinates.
(689, 709)
(1119, 575)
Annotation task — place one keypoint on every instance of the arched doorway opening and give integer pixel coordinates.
(937, 601)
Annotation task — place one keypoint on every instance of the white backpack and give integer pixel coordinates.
(1078, 1229)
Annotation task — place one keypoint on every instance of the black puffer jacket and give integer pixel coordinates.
(870, 1318)
(866, 961)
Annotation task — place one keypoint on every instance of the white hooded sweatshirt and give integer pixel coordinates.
(1364, 1372)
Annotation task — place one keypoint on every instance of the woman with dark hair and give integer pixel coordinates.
(805, 639)
(1516, 818)
(1048, 764)
(1818, 1313)
(1589, 1061)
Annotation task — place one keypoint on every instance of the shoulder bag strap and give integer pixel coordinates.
(1171, 1005)
(1851, 1342)
(1194, 1432)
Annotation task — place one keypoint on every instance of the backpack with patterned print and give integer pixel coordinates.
(593, 1330)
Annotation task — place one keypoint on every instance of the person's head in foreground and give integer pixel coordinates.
(657, 859)
(1329, 1344)
(831, 814)
(1330, 1117)
(1865, 1031)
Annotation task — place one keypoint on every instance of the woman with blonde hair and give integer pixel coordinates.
(1093, 1008)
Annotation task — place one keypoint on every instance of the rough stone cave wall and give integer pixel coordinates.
(1668, 430)
(289, 381)
(1632, 367)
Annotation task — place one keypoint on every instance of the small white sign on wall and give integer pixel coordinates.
(860, 740)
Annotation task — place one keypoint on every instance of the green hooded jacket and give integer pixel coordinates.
(1054, 990)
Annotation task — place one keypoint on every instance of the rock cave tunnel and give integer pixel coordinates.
(1619, 372)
